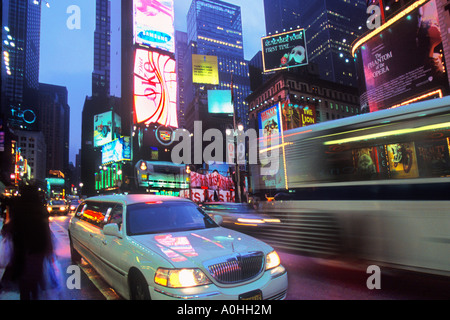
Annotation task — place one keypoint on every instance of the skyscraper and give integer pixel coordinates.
(102, 44)
(100, 101)
(331, 27)
(21, 22)
(216, 28)
(54, 122)
(20, 52)
(282, 15)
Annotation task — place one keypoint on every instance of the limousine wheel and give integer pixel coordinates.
(138, 286)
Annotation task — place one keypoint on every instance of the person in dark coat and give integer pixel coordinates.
(32, 241)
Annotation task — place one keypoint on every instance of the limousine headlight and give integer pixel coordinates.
(181, 278)
(272, 260)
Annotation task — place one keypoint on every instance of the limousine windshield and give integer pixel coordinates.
(159, 217)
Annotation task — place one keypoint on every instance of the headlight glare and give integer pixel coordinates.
(180, 278)
(272, 260)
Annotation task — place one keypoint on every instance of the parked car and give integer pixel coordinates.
(238, 214)
(161, 247)
(57, 206)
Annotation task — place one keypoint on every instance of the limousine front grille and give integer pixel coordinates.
(236, 268)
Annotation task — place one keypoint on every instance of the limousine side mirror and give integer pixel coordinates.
(112, 229)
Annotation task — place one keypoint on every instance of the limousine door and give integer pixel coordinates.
(112, 248)
(85, 230)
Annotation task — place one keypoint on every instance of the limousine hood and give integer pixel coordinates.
(190, 248)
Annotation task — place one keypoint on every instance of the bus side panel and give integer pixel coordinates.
(413, 235)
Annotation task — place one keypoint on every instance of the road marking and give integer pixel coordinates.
(54, 223)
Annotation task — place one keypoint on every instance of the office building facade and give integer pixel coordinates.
(33, 148)
(331, 28)
(20, 49)
(215, 29)
(282, 15)
(54, 122)
(102, 46)
(21, 22)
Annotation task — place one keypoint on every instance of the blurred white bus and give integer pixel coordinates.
(374, 187)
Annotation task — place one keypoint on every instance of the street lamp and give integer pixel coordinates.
(232, 136)
(241, 128)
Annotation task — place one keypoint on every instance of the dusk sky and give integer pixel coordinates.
(67, 55)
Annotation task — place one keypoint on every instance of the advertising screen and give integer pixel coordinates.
(107, 127)
(153, 24)
(205, 69)
(284, 50)
(155, 89)
(219, 101)
(403, 61)
(117, 150)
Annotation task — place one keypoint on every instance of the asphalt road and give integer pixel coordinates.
(309, 278)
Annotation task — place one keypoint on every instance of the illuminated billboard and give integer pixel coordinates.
(107, 127)
(117, 150)
(153, 24)
(270, 120)
(403, 61)
(205, 69)
(219, 101)
(155, 89)
(298, 115)
(270, 125)
(284, 50)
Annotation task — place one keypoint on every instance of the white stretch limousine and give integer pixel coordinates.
(158, 247)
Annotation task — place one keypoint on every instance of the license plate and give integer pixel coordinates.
(252, 295)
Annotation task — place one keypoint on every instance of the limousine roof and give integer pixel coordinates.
(135, 198)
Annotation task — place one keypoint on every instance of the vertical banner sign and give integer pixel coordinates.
(155, 89)
(270, 143)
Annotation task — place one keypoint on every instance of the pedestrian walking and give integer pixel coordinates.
(32, 242)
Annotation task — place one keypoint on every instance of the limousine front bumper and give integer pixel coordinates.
(272, 285)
